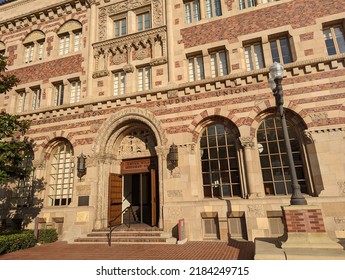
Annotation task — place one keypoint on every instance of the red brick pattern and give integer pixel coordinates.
(309, 220)
(49, 69)
(307, 36)
(246, 23)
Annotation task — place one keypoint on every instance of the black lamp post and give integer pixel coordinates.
(275, 82)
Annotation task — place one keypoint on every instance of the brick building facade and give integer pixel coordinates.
(131, 84)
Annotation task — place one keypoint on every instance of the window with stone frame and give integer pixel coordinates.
(254, 57)
(70, 35)
(61, 174)
(281, 49)
(22, 97)
(143, 21)
(144, 78)
(59, 94)
(196, 68)
(34, 46)
(220, 162)
(36, 98)
(244, 4)
(334, 39)
(213, 8)
(219, 63)
(75, 91)
(192, 9)
(120, 82)
(274, 159)
(120, 27)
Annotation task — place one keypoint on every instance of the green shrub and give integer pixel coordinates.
(18, 241)
(47, 235)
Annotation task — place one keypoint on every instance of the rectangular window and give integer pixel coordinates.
(213, 8)
(192, 11)
(36, 99)
(75, 91)
(144, 78)
(64, 44)
(334, 40)
(280, 50)
(120, 27)
(219, 64)
(246, 4)
(29, 53)
(21, 101)
(77, 39)
(119, 83)
(144, 21)
(254, 57)
(40, 51)
(59, 94)
(196, 68)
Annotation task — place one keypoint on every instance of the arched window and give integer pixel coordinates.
(70, 37)
(274, 159)
(219, 161)
(34, 46)
(61, 175)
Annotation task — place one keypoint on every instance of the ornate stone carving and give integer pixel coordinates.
(39, 164)
(174, 193)
(99, 74)
(256, 210)
(117, 59)
(308, 136)
(139, 142)
(247, 142)
(173, 93)
(319, 116)
(341, 185)
(128, 68)
(158, 61)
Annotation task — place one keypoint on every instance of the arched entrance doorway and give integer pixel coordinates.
(133, 194)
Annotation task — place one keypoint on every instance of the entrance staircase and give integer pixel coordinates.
(135, 234)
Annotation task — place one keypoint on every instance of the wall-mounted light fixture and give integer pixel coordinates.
(81, 166)
(173, 155)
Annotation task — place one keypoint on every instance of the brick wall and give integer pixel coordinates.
(304, 220)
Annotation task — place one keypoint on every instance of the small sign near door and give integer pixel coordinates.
(136, 166)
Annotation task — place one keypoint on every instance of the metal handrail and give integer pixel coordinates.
(111, 228)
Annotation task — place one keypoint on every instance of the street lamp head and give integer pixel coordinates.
(277, 71)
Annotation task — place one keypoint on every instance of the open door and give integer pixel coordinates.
(115, 199)
(153, 198)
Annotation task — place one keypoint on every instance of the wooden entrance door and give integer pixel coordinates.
(115, 199)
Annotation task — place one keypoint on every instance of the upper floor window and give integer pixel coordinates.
(219, 64)
(144, 78)
(334, 39)
(196, 68)
(246, 4)
(75, 91)
(144, 21)
(254, 56)
(280, 50)
(192, 11)
(59, 92)
(120, 82)
(21, 101)
(70, 35)
(213, 8)
(36, 98)
(34, 46)
(120, 27)
(220, 162)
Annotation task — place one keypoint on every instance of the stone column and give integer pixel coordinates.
(162, 153)
(248, 145)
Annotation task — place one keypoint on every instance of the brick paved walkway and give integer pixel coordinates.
(192, 250)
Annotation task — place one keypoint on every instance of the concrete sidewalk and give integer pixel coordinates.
(191, 250)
